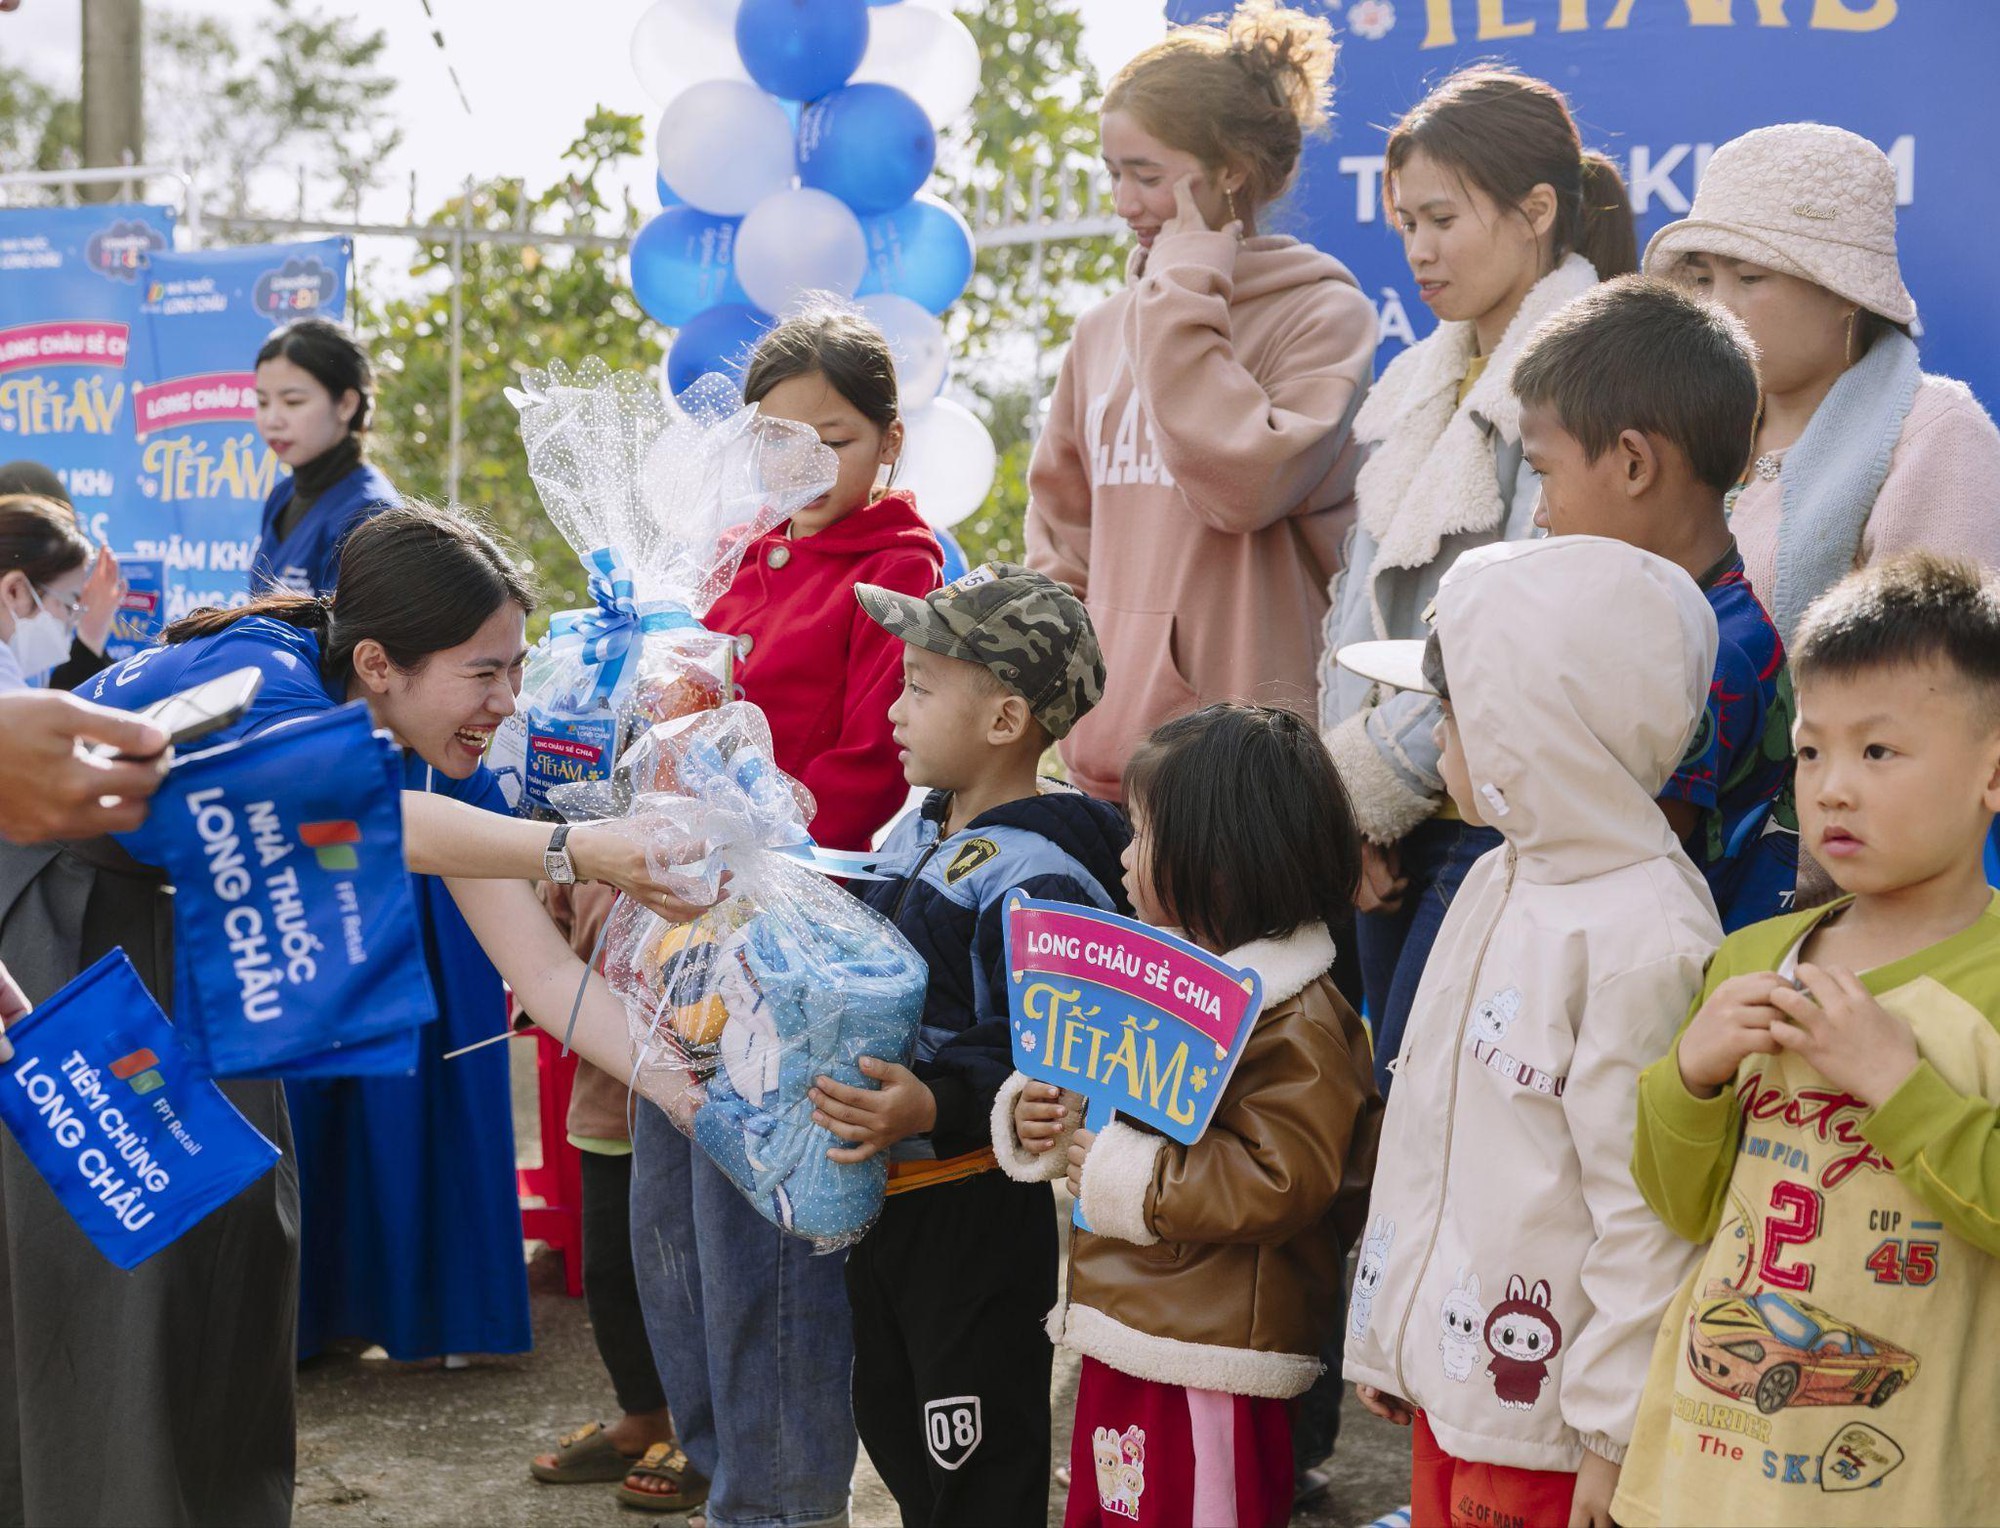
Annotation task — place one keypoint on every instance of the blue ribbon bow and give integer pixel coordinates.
(603, 638)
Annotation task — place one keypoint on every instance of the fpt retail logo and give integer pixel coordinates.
(332, 843)
(121, 250)
(297, 289)
(139, 1071)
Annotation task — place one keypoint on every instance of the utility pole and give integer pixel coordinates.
(114, 96)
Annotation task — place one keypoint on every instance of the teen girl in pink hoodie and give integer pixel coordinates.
(1196, 477)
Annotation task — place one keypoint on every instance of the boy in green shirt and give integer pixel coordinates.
(1829, 1118)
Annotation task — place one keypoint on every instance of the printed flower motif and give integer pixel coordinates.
(1371, 19)
(1028, 1043)
(1198, 1078)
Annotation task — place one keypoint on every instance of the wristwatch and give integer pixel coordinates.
(557, 866)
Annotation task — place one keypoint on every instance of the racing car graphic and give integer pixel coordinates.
(1776, 1350)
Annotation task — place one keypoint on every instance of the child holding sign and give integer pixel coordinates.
(1201, 1295)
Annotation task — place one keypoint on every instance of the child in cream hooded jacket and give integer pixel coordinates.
(1511, 1276)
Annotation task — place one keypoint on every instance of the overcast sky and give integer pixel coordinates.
(532, 68)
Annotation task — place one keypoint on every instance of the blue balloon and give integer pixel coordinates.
(719, 340)
(666, 192)
(870, 145)
(683, 263)
(954, 555)
(922, 251)
(801, 49)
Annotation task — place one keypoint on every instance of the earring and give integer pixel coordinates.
(1229, 195)
(1847, 354)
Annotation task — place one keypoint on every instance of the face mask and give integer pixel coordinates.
(41, 640)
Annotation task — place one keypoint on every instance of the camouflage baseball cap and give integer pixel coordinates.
(1030, 632)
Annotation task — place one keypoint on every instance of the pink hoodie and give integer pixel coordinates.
(1196, 480)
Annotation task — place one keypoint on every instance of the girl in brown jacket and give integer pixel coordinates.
(1202, 1295)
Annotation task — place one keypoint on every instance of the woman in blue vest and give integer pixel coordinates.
(178, 1375)
(315, 395)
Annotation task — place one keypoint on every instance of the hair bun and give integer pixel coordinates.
(1292, 54)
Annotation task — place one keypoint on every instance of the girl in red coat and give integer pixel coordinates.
(750, 1331)
(807, 654)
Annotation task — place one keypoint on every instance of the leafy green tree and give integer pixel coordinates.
(1036, 110)
(524, 306)
(309, 97)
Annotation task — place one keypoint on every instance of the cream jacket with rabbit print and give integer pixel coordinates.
(1511, 1276)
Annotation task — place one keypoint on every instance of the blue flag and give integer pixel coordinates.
(119, 1120)
(294, 917)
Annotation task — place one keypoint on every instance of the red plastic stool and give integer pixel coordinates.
(558, 1182)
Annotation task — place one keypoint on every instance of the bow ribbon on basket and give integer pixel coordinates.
(603, 638)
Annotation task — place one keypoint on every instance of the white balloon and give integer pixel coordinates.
(929, 55)
(679, 43)
(916, 339)
(948, 462)
(799, 241)
(725, 145)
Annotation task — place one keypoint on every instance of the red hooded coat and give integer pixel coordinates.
(822, 671)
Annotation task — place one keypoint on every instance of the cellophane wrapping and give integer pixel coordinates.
(784, 979)
(660, 501)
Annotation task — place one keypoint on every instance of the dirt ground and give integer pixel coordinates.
(418, 1447)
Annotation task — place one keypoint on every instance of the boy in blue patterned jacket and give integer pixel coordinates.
(950, 1287)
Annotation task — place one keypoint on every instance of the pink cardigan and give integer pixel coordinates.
(1942, 493)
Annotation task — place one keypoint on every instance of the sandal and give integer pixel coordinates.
(584, 1457)
(664, 1462)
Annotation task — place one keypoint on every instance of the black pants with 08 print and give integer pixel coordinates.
(951, 1363)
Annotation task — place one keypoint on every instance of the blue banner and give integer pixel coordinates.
(123, 1127)
(295, 922)
(201, 463)
(1659, 85)
(71, 281)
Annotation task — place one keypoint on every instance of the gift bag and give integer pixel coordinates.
(294, 918)
(786, 979)
(119, 1120)
(660, 502)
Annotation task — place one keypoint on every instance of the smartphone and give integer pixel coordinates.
(209, 707)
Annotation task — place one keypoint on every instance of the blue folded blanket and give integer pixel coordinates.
(805, 999)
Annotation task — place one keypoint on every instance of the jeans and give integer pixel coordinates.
(751, 1334)
(1434, 859)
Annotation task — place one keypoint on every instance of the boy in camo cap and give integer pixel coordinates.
(949, 1289)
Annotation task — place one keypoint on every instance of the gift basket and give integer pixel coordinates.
(660, 502)
(786, 978)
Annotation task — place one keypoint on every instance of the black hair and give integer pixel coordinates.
(417, 580)
(25, 476)
(1506, 133)
(1250, 830)
(1640, 353)
(1913, 609)
(40, 537)
(334, 359)
(837, 344)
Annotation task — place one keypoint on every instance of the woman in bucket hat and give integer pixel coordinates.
(1859, 454)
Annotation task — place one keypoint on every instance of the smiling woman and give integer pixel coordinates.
(412, 1231)
(1198, 465)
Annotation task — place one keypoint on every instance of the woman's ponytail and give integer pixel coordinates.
(1507, 132)
(1607, 235)
(300, 610)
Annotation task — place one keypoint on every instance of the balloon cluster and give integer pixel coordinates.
(794, 143)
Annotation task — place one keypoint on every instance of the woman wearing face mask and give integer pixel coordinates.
(45, 561)
(97, 602)
(1860, 454)
(315, 396)
(1197, 472)
(1504, 219)
(180, 1372)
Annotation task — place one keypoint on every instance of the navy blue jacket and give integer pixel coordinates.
(308, 560)
(947, 900)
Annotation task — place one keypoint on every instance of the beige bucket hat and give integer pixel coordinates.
(1803, 198)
